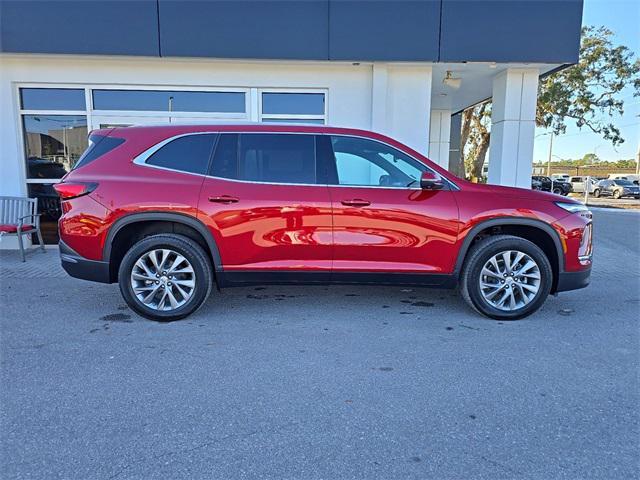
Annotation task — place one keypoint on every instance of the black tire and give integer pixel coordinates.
(596, 193)
(557, 191)
(480, 253)
(616, 194)
(186, 247)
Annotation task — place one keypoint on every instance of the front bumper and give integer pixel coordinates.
(573, 280)
(79, 267)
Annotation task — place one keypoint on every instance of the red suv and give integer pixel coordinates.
(169, 211)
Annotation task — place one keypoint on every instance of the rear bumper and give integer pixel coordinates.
(83, 268)
(573, 280)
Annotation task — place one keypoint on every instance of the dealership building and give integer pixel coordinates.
(403, 68)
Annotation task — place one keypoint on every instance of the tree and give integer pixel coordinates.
(589, 88)
(475, 137)
(587, 93)
(590, 158)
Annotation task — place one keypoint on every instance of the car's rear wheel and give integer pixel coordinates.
(506, 277)
(616, 194)
(165, 277)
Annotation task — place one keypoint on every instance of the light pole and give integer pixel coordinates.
(550, 154)
(550, 150)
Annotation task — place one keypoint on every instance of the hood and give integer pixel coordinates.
(513, 192)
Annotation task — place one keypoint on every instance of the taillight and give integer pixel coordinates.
(67, 191)
(586, 243)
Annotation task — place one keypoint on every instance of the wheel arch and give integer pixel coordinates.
(159, 222)
(550, 243)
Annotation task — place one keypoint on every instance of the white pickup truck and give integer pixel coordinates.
(578, 185)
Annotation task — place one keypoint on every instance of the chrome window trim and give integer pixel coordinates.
(307, 184)
(142, 158)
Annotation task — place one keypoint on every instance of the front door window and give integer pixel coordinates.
(363, 162)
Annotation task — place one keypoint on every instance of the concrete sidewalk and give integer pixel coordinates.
(322, 382)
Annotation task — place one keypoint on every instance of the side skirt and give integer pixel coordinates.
(245, 278)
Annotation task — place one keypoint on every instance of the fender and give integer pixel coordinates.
(167, 217)
(499, 221)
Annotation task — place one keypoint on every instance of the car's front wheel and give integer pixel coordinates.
(165, 277)
(596, 193)
(616, 194)
(506, 277)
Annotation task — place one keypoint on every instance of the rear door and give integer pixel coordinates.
(383, 221)
(267, 205)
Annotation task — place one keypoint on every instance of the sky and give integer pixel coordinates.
(623, 18)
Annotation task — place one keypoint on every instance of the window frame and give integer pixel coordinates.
(292, 116)
(168, 113)
(325, 167)
(22, 112)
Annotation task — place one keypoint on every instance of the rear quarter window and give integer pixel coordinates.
(189, 153)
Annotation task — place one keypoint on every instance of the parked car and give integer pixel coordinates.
(560, 177)
(536, 184)
(557, 187)
(578, 185)
(635, 179)
(618, 188)
(168, 211)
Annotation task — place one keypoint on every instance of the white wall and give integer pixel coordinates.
(12, 173)
(401, 103)
(396, 102)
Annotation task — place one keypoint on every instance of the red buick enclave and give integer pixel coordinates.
(169, 211)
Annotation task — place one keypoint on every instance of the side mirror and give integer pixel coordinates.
(431, 181)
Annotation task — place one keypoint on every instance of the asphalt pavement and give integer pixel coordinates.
(322, 383)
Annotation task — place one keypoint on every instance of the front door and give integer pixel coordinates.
(268, 207)
(383, 221)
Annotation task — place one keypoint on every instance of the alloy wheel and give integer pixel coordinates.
(510, 280)
(163, 279)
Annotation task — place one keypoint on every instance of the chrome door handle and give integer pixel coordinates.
(356, 202)
(224, 199)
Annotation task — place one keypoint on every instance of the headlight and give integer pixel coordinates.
(572, 207)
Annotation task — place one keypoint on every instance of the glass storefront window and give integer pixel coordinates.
(169, 101)
(293, 103)
(49, 207)
(316, 121)
(52, 99)
(53, 143)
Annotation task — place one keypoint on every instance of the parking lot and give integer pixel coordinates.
(315, 382)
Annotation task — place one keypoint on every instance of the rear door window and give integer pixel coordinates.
(277, 158)
(225, 158)
(190, 153)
